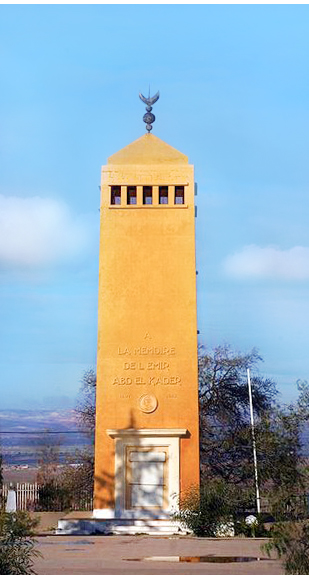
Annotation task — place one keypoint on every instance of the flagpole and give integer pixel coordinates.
(257, 491)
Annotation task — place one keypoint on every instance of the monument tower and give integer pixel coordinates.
(147, 440)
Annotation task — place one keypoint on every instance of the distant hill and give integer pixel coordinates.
(37, 420)
(23, 448)
(23, 431)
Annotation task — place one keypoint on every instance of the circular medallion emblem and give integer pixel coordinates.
(148, 403)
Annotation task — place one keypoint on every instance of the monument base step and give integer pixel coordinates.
(85, 524)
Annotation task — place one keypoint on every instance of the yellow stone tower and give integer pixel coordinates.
(147, 429)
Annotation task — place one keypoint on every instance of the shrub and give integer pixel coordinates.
(17, 550)
(210, 510)
(53, 497)
(290, 532)
(291, 542)
(246, 526)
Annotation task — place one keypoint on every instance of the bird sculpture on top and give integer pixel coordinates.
(149, 118)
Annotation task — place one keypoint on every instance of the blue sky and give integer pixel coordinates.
(234, 83)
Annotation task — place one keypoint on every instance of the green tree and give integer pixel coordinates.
(290, 532)
(303, 399)
(225, 432)
(278, 438)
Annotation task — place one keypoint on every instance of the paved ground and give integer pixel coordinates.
(110, 555)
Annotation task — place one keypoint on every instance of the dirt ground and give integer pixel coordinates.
(19, 475)
(116, 555)
(48, 521)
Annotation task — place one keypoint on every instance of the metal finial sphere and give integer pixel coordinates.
(149, 118)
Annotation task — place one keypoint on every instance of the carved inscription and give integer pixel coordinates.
(173, 380)
(145, 350)
(160, 365)
(147, 365)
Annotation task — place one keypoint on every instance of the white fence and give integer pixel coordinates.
(27, 494)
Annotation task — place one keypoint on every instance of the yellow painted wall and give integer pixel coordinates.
(147, 339)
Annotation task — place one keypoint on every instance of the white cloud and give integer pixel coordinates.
(269, 263)
(36, 232)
